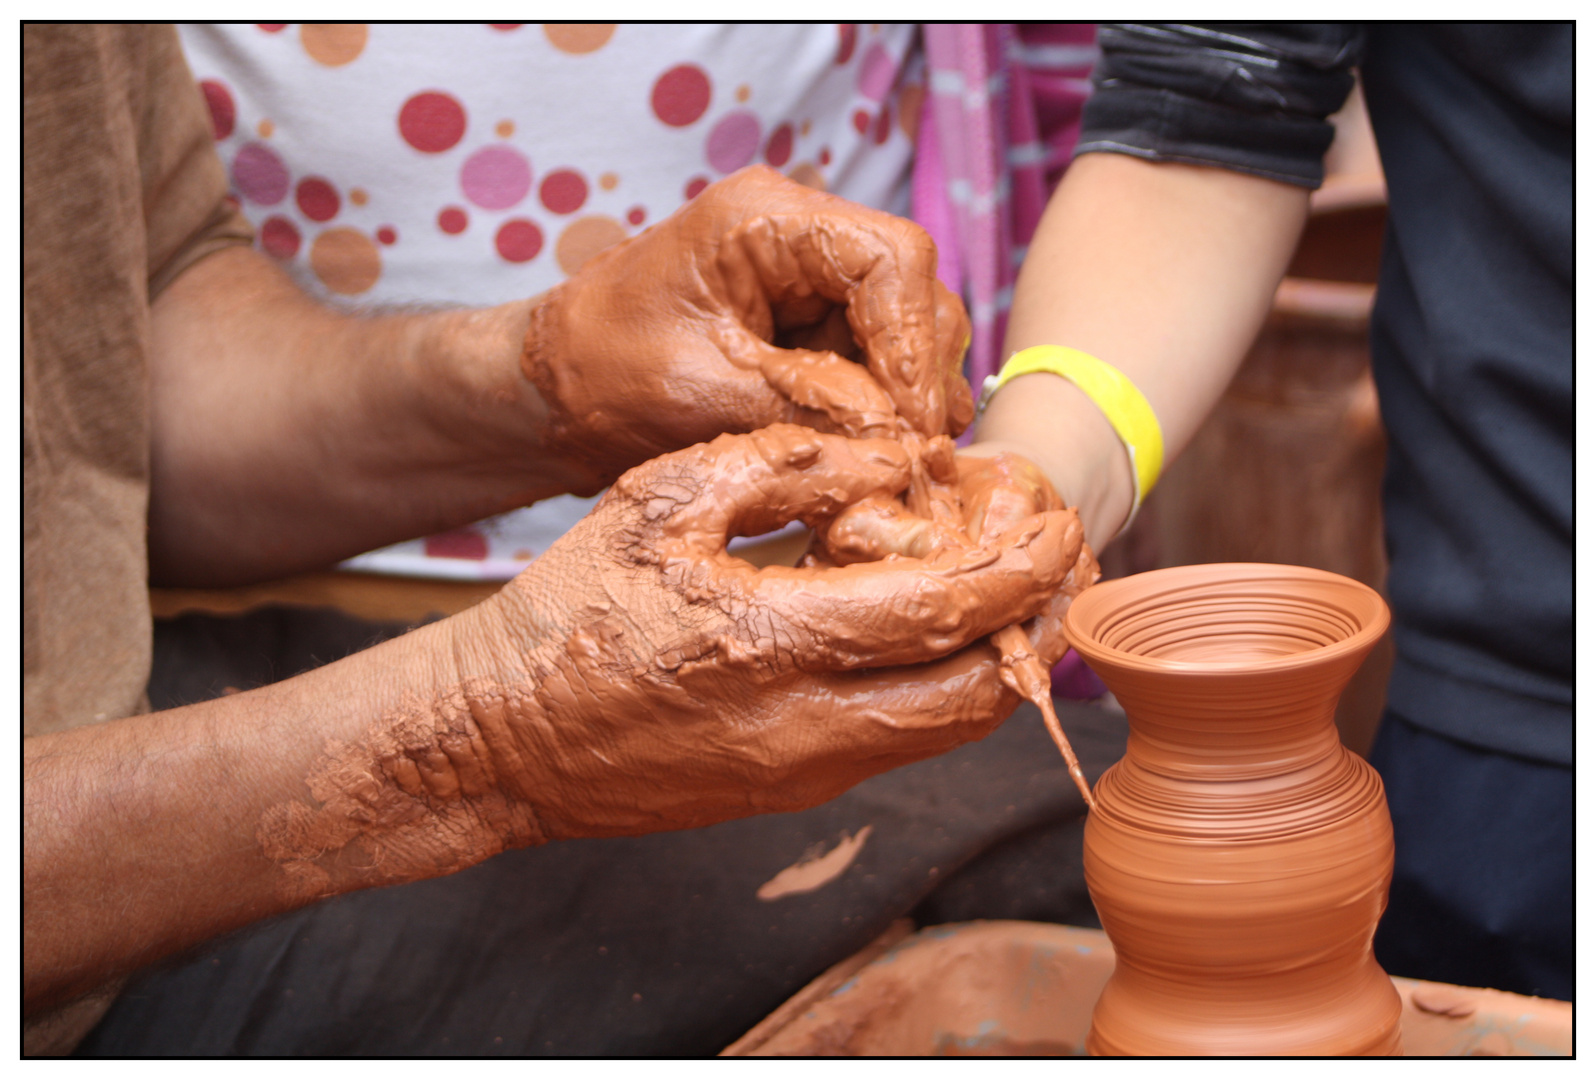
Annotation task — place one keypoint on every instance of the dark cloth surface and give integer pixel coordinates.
(653, 945)
(1483, 893)
(1472, 333)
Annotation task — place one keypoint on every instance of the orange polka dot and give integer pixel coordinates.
(345, 261)
(578, 38)
(744, 93)
(608, 181)
(358, 196)
(807, 175)
(804, 130)
(909, 105)
(265, 127)
(333, 44)
(585, 238)
(504, 128)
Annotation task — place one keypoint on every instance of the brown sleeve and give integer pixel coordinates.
(188, 212)
(122, 191)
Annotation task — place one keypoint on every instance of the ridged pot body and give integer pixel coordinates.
(1239, 856)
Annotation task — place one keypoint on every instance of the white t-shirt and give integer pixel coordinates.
(475, 164)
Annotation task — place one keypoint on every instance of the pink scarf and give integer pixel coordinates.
(1004, 107)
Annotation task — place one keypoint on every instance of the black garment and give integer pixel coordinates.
(1472, 335)
(650, 946)
(1483, 893)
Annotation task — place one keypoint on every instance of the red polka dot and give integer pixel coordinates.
(861, 121)
(272, 27)
(694, 186)
(636, 215)
(452, 220)
(563, 191)
(884, 125)
(778, 151)
(279, 238)
(506, 25)
(459, 544)
(681, 95)
(432, 121)
(518, 240)
(317, 199)
(847, 38)
(223, 112)
(825, 155)
(386, 235)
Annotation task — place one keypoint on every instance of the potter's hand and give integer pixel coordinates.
(966, 499)
(950, 505)
(647, 680)
(747, 307)
(963, 501)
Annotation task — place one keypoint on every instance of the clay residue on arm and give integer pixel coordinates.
(420, 796)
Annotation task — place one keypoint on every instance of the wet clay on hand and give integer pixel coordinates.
(749, 306)
(637, 678)
(676, 685)
(1239, 856)
(952, 503)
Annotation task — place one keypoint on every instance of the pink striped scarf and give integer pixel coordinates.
(1004, 104)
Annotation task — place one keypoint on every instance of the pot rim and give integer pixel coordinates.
(1195, 576)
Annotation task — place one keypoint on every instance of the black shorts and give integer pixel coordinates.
(1483, 893)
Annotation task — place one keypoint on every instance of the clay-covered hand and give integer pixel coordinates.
(637, 678)
(964, 499)
(759, 301)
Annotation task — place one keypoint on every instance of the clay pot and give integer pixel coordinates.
(1239, 856)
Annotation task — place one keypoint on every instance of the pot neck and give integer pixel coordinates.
(1231, 726)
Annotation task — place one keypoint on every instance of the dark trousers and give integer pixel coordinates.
(655, 945)
(1483, 893)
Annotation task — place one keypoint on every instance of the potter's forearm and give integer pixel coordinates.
(148, 835)
(1164, 271)
(286, 435)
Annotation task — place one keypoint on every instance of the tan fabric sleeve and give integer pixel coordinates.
(188, 212)
(122, 191)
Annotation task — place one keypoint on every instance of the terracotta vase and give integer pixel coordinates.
(1239, 856)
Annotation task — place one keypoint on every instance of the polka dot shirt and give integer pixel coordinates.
(480, 163)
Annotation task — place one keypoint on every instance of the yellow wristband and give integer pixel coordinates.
(1115, 395)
